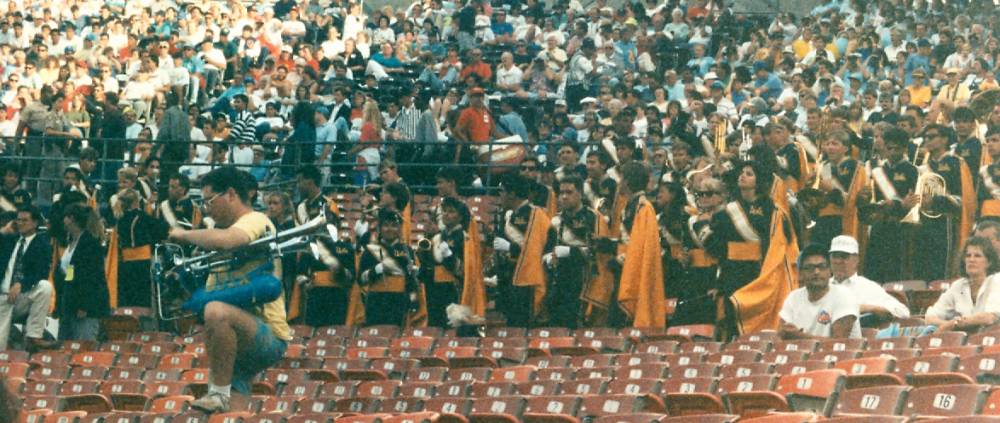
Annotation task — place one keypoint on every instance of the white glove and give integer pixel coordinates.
(501, 244)
(561, 251)
(490, 281)
(547, 259)
(443, 250)
(379, 269)
(360, 228)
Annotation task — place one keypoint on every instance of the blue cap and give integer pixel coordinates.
(923, 43)
(249, 80)
(758, 65)
(717, 85)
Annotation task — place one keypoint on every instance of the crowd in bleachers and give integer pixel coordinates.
(519, 164)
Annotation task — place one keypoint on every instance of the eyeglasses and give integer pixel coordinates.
(702, 194)
(205, 205)
(806, 268)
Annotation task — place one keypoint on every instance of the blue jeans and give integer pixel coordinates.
(267, 350)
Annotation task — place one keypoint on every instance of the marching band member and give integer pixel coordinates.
(791, 156)
(946, 218)
(447, 187)
(571, 258)
(752, 239)
(599, 189)
(519, 246)
(541, 194)
(453, 264)
(697, 303)
(325, 283)
(893, 181)
(137, 232)
(240, 342)
(386, 270)
(388, 172)
(671, 217)
(178, 210)
(989, 189)
(640, 294)
(148, 180)
(840, 178)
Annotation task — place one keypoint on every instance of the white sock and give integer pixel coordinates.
(223, 389)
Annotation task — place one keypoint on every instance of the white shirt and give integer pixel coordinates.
(22, 244)
(510, 76)
(957, 299)
(870, 293)
(816, 318)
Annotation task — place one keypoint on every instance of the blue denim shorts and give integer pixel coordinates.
(267, 351)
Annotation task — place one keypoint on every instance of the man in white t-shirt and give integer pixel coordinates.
(818, 309)
(871, 297)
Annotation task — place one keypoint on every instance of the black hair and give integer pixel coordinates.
(226, 177)
(79, 213)
(311, 173)
(459, 206)
(636, 176)
(35, 212)
(516, 185)
(574, 180)
(813, 250)
(182, 180)
(398, 192)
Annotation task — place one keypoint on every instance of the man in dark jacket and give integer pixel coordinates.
(25, 291)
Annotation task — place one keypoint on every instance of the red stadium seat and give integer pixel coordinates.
(75, 387)
(737, 356)
(360, 405)
(401, 405)
(454, 405)
(699, 347)
(674, 360)
(42, 387)
(692, 396)
(695, 370)
(984, 368)
(931, 370)
(784, 418)
(602, 405)
(491, 389)
(643, 371)
(172, 404)
(872, 371)
(874, 400)
(703, 418)
(657, 347)
(748, 383)
(746, 369)
(606, 343)
(814, 391)
(457, 388)
(470, 374)
(417, 389)
(538, 387)
(942, 339)
(584, 386)
(634, 387)
(101, 359)
(557, 374)
(946, 400)
(898, 353)
(807, 345)
(688, 333)
(783, 357)
(631, 418)
(594, 360)
(513, 374)
(543, 361)
(793, 368)
(597, 372)
(283, 404)
(378, 388)
(761, 346)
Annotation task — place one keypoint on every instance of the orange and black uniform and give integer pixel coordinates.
(889, 238)
(137, 233)
(739, 258)
(444, 274)
(522, 287)
(387, 302)
(576, 230)
(830, 222)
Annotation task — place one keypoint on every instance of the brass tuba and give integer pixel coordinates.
(929, 184)
(179, 281)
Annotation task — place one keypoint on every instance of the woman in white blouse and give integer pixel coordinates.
(956, 309)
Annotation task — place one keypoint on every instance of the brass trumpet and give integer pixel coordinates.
(929, 184)
(424, 245)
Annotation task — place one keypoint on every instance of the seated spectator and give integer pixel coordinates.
(25, 291)
(818, 309)
(956, 308)
(873, 300)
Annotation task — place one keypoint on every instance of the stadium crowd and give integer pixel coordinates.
(652, 150)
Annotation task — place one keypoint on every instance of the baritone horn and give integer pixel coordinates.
(179, 281)
(929, 184)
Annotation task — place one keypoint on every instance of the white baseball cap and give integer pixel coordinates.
(844, 244)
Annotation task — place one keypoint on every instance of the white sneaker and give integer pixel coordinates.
(212, 402)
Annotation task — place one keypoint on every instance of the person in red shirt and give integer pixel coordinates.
(477, 66)
(475, 124)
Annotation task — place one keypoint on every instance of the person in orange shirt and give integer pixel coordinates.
(920, 93)
(475, 124)
(477, 66)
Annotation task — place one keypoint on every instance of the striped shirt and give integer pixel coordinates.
(406, 123)
(244, 129)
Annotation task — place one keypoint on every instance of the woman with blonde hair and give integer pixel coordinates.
(367, 148)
